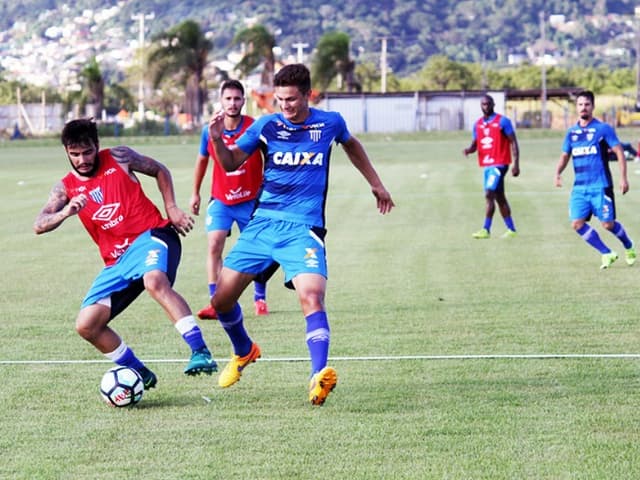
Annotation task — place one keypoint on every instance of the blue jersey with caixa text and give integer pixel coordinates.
(588, 147)
(296, 170)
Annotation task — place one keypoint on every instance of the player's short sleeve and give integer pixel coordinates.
(342, 131)
(506, 126)
(566, 144)
(249, 141)
(204, 141)
(610, 136)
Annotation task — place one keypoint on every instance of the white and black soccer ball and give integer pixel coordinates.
(121, 387)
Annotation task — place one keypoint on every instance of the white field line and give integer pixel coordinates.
(532, 356)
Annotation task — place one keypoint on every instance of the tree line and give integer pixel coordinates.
(178, 58)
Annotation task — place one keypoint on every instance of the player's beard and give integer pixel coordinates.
(90, 173)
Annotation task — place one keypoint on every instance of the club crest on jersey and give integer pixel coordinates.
(315, 135)
(96, 195)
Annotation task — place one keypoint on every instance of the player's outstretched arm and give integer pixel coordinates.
(359, 158)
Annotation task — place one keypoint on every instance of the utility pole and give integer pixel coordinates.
(141, 17)
(300, 47)
(543, 40)
(383, 66)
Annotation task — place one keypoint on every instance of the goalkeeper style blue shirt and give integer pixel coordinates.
(296, 164)
(588, 147)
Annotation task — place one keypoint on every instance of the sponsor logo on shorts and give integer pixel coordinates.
(310, 258)
(152, 257)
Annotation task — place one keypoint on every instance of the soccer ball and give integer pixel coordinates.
(121, 387)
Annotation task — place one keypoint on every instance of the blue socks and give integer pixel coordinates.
(125, 357)
(619, 231)
(509, 223)
(590, 236)
(318, 335)
(232, 323)
(191, 332)
(260, 292)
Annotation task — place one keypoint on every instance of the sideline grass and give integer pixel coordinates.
(410, 283)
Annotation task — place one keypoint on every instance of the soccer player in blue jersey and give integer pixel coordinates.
(587, 143)
(288, 225)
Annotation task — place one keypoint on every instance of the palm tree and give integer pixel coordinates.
(332, 59)
(259, 45)
(183, 52)
(93, 86)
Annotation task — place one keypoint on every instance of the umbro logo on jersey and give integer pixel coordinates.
(108, 214)
(283, 134)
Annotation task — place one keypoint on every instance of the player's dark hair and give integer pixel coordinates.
(587, 94)
(82, 131)
(235, 84)
(294, 75)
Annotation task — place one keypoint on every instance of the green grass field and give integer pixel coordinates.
(457, 358)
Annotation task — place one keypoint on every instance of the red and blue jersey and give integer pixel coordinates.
(242, 184)
(117, 209)
(493, 145)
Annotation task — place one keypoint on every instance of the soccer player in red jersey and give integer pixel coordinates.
(140, 248)
(233, 194)
(495, 141)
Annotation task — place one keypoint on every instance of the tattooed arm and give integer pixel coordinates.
(58, 208)
(135, 162)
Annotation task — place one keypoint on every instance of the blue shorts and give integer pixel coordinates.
(598, 202)
(494, 178)
(298, 248)
(156, 249)
(221, 216)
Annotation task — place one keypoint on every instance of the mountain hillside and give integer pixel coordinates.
(585, 33)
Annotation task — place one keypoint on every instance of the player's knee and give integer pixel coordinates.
(608, 225)
(311, 300)
(221, 304)
(156, 282)
(86, 328)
